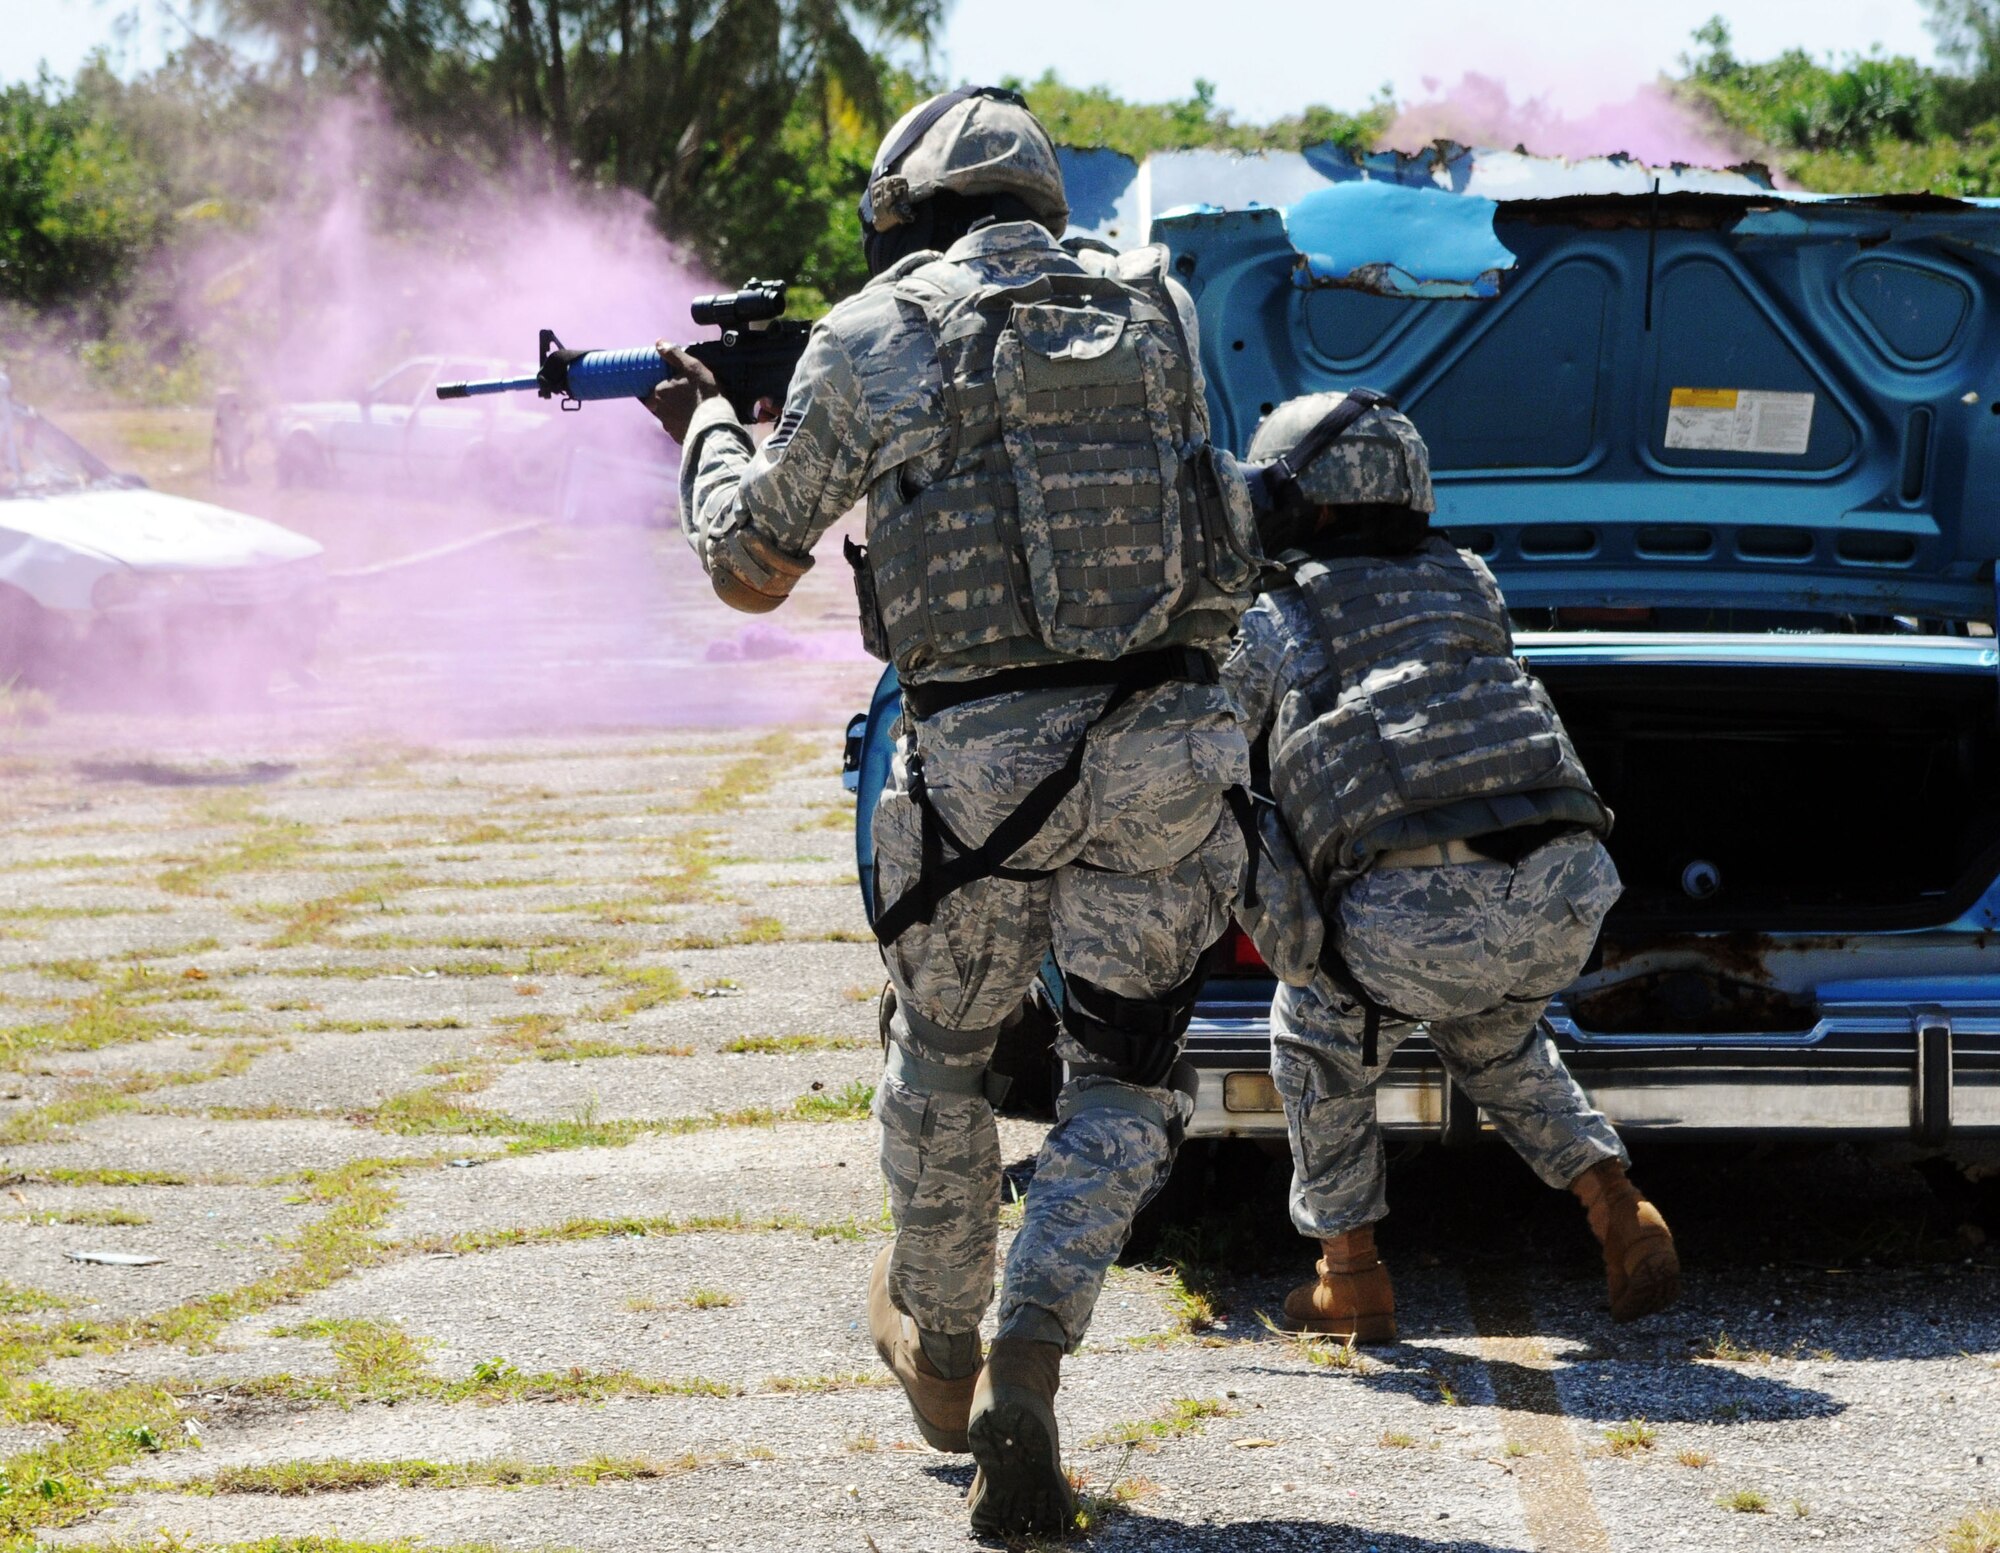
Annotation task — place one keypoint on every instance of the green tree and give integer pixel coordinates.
(76, 207)
(715, 111)
(1094, 116)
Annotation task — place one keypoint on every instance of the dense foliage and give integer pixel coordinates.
(747, 125)
(76, 206)
(1876, 122)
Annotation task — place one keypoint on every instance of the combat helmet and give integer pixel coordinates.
(978, 140)
(1378, 459)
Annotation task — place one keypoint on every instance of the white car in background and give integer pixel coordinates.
(99, 570)
(396, 433)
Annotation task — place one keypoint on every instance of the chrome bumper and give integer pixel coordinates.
(1926, 1074)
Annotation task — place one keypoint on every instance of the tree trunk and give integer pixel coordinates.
(524, 30)
(626, 114)
(558, 92)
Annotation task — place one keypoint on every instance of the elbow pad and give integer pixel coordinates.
(752, 574)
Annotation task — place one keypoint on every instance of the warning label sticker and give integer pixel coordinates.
(1739, 420)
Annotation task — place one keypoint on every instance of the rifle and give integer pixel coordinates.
(752, 360)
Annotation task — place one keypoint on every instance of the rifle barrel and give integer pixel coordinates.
(491, 385)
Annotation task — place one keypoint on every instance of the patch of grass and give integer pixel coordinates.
(108, 1178)
(751, 929)
(1194, 1307)
(370, 1026)
(793, 1045)
(1183, 1416)
(86, 1103)
(861, 994)
(272, 844)
(469, 1242)
(1725, 1349)
(1631, 1437)
(1514, 1450)
(60, 1483)
(820, 1385)
(850, 1103)
(375, 1361)
(690, 876)
(108, 1016)
(296, 1479)
(707, 1299)
(1745, 1501)
(96, 1218)
(1979, 1532)
(1332, 1353)
(1800, 1510)
(18, 1301)
(645, 987)
(743, 779)
(1327, 1352)
(439, 1111)
(1397, 1440)
(1694, 1458)
(317, 921)
(540, 1038)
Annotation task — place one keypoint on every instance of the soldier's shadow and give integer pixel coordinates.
(1123, 1526)
(1136, 1529)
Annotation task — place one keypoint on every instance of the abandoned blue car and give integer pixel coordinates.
(1734, 455)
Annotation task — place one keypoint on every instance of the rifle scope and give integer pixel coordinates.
(758, 302)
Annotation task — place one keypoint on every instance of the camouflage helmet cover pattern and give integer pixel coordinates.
(984, 145)
(1380, 458)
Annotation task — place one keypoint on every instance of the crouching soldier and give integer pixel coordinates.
(1448, 837)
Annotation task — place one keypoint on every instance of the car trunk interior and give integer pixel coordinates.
(1789, 798)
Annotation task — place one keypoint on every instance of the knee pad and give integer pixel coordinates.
(1133, 1040)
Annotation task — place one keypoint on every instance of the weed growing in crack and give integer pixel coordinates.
(1979, 1532)
(1183, 1416)
(792, 1045)
(1631, 1437)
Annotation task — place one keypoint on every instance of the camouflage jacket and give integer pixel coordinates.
(865, 406)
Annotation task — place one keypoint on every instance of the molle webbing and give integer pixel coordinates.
(1049, 524)
(1422, 704)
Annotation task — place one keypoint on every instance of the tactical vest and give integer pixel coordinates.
(1422, 704)
(1077, 511)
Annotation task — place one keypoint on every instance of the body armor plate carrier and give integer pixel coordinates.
(1076, 510)
(1422, 704)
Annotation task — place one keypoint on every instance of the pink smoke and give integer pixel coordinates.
(340, 285)
(1649, 125)
(594, 621)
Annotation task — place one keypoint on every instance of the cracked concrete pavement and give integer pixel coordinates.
(494, 1108)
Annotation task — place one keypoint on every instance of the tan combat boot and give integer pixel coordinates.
(1020, 1487)
(1352, 1296)
(1640, 1263)
(937, 1372)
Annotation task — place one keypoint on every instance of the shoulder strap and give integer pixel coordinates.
(1281, 475)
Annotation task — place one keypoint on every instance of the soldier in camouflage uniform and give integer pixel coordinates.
(1055, 559)
(1441, 820)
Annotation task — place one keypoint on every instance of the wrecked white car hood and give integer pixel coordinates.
(54, 548)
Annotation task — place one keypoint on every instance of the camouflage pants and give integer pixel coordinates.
(1475, 951)
(1146, 863)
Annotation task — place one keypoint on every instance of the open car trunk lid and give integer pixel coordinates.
(1715, 397)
